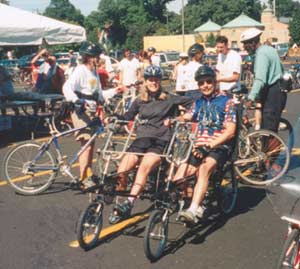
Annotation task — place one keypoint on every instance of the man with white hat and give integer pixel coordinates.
(267, 74)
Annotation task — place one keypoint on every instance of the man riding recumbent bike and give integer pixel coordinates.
(202, 158)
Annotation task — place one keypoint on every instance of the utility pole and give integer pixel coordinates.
(182, 23)
(274, 8)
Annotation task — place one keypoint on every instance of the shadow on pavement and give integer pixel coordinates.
(248, 198)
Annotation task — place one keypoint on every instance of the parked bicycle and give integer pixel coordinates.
(31, 168)
(285, 200)
(263, 155)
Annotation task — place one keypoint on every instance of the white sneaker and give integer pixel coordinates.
(257, 127)
(200, 212)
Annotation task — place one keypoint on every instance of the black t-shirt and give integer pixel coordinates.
(155, 112)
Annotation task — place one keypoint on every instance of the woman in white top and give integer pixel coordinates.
(179, 73)
(83, 88)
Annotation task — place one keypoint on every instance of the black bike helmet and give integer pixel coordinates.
(204, 71)
(194, 49)
(153, 71)
(90, 49)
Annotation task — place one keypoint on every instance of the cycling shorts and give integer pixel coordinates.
(148, 144)
(220, 154)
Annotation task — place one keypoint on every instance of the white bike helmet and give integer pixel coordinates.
(250, 34)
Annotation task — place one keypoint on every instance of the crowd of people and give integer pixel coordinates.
(202, 91)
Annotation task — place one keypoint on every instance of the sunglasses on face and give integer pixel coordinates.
(207, 81)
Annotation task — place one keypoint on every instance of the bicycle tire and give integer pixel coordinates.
(262, 166)
(287, 133)
(16, 162)
(60, 125)
(156, 223)
(290, 251)
(90, 225)
(227, 191)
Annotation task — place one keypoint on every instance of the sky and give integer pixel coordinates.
(86, 6)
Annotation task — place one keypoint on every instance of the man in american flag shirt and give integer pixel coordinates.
(216, 117)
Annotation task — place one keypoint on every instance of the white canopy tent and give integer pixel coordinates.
(22, 28)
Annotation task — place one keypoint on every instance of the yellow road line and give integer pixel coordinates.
(18, 179)
(296, 151)
(113, 229)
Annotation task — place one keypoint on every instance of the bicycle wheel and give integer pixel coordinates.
(28, 177)
(90, 225)
(227, 191)
(267, 158)
(290, 254)
(156, 234)
(61, 125)
(286, 132)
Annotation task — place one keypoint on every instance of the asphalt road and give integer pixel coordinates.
(39, 232)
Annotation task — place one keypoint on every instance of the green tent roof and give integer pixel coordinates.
(209, 26)
(242, 21)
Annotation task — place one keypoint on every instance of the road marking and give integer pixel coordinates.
(21, 178)
(295, 151)
(113, 229)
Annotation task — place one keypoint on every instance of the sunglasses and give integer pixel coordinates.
(207, 81)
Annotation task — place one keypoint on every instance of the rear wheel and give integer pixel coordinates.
(156, 235)
(289, 257)
(90, 225)
(227, 191)
(266, 158)
(26, 176)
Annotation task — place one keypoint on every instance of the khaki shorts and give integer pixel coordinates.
(80, 121)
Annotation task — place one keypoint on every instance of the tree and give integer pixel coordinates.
(65, 11)
(6, 2)
(294, 27)
(211, 40)
(220, 11)
(284, 8)
(131, 20)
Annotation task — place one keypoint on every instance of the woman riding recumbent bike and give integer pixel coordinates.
(154, 107)
(207, 155)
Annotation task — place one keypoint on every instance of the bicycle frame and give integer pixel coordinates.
(65, 168)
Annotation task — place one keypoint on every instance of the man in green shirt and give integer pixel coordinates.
(267, 74)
